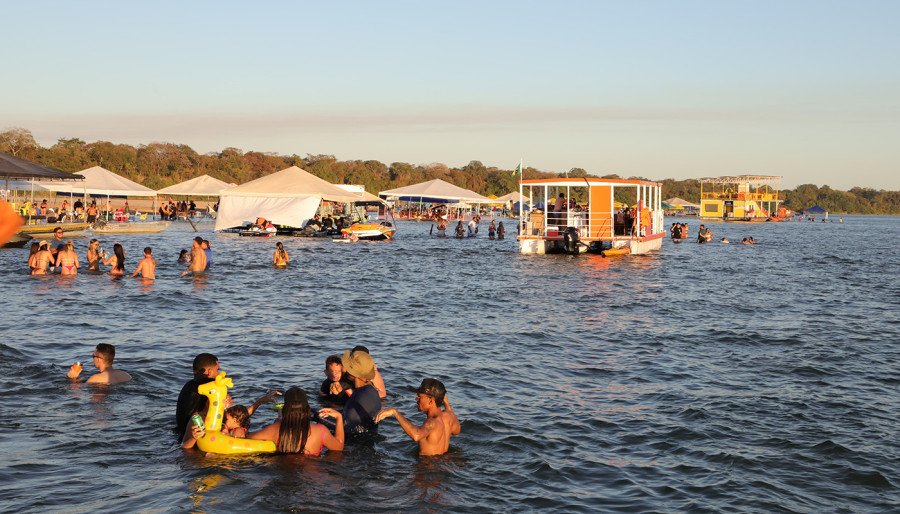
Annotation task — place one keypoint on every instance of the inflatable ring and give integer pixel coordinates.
(214, 441)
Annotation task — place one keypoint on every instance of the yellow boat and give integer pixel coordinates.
(47, 229)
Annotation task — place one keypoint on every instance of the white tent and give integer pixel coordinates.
(435, 191)
(288, 197)
(100, 182)
(512, 198)
(204, 185)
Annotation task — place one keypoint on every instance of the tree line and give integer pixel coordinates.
(159, 164)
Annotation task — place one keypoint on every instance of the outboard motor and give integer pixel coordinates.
(571, 240)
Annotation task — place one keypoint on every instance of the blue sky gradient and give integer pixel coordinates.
(807, 90)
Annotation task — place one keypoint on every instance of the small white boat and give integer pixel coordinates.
(142, 227)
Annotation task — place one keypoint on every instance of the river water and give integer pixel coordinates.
(703, 377)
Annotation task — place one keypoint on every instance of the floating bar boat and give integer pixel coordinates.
(590, 218)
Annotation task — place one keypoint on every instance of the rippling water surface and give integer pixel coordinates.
(704, 377)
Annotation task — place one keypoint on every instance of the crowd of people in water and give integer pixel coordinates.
(351, 395)
(679, 232)
(496, 230)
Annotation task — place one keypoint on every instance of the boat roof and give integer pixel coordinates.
(739, 179)
(588, 181)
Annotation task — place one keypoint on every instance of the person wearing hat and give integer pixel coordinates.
(42, 259)
(364, 403)
(434, 435)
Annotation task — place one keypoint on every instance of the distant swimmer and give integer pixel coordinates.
(147, 266)
(748, 241)
(725, 240)
(280, 259)
(704, 235)
(67, 260)
(184, 257)
(492, 230)
(460, 230)
(116, 260)
(434, 435)
(501, 231)
(198, 259)
(94, 254)
(103, 357)
(442, 226)
(42, 259)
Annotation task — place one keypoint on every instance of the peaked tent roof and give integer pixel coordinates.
(13, 167)
(511, 197)
(101, 181)
(204, 185)
(437, 189)
(815, 209)
(681, 202)
(291, 183)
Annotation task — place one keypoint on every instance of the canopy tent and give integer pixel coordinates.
(100, 181)
(815, 209)
(204, 185)
(288, 197)
(514, 197)
(361, 193)
(435, 191)
(679, 203)
(13, 168)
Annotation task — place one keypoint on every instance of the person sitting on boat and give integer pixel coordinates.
(328, 222)
(314, 223)
(280, 259)
(103, 355)
(460, 230)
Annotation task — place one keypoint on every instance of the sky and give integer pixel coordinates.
(809, 90)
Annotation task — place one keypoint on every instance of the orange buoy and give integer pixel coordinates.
(9, 222)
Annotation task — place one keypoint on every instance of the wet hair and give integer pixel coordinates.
(35, 246)
(240, 414)
(198, 240)
(433, 388)
(120, 256)
(202, 362)
(148, 250)
(94, 241)
(70, 245)
(295, 416)
(279, 245)
(108, 351)
(333, 359)
(359, 348)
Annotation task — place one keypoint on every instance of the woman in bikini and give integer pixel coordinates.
(32, 260)
(67, 260)
(116, 260)
(93, 255)
(295, 433)
(281, 258)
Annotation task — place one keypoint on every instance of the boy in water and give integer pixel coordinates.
(147, 267)
(434, 435)
(103, 360)
(336, 386)
(198, 259)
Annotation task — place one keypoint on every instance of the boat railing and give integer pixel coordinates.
(552, 225)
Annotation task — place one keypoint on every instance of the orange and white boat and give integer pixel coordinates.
(372, 231)
(587, 219)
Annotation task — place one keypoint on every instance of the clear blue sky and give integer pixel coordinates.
(805, 89)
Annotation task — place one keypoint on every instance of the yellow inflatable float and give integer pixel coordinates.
(214, 441)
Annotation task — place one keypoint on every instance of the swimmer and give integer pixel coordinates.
(42, 259)
(184, 257)
(280, 258)
(103, 360)
(725, 240)
(147, 266)
(501, 232)
(198, 258)
(116, 260)
(460, 230)
(67, 260)
(295, 433)
(336, 387)
(207, 251)
(94, 255)
(377, 381)
(492, 230)
(32, 261)
(434, 435)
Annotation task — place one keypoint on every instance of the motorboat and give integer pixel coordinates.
(18, 241)
(256, 231)
(372, 231)
(47, 229)
(130, 227)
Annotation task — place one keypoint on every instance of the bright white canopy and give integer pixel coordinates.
(288, 197)
(436, 189)
(204, 185)
(512, 197)
(675, 201)
(100, 181)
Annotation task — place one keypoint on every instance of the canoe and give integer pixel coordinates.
(145, 227)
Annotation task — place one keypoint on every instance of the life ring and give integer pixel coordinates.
(214, 441)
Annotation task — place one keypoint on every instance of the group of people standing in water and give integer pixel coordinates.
(679, 231)
(495, 229)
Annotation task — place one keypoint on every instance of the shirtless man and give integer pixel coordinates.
(147, 267)
(198, 258)
(434, 435)
(103, 360)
